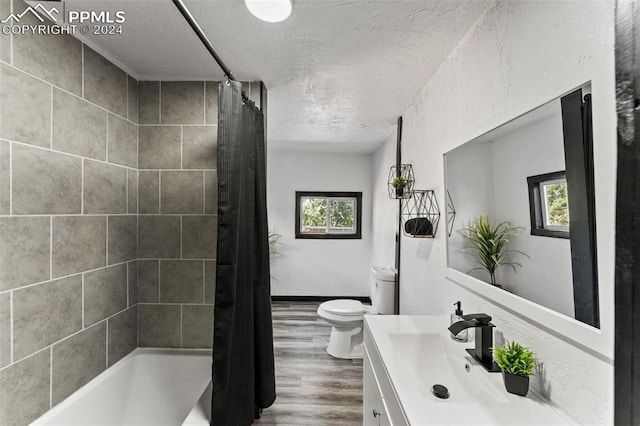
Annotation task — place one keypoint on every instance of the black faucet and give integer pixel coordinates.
(484, 338)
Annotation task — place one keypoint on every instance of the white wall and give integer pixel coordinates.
(385, 210)
(317, 267)
(517, 56)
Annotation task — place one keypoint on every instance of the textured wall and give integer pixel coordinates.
(68, 219)
(517, 56)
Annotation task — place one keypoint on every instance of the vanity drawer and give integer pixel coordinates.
(390, 401)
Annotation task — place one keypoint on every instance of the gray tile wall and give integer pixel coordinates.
(177, 205)
(68, 219)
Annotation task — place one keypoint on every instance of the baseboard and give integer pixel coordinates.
(317, 298)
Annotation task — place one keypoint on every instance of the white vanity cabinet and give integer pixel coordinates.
(380, 403)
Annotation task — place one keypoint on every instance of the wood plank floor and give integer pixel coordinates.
(313, 388)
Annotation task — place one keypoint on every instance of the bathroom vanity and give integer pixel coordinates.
(406, 355)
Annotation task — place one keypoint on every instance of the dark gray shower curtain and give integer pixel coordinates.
(243, 365)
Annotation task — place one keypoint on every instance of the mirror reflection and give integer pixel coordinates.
(525, 210)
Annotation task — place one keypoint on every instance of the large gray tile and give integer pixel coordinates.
(159, 326)
(158, 237)
(211, 192)
(181, 281)
(25, 108)
(212, 102)
(123, 238)
(132, 99)
(105, 188)
(159, 147)
(149, 192)
(104, 83)
(5, 172)
(45, 182)
(123, 335)
(79, 244)
(182, 102)
(24, 251)
(77, 360)
(123, 141)
(182, 192)
(197, 326)
(54, 58)
(132, 279)
(209, 281)
(5, 329)
(199, 147)
(149, 102)
(199, 237)
(5, 39)
(148, 281)
(46, 313)
(78, 127)
(24, 390)
(132, 191)
(105, 293)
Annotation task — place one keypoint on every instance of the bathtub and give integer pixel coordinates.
(147, 387)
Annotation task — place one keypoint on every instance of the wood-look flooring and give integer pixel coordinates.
(312, 387)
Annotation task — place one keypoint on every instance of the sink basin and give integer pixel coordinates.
(431, 360)
(411, 353)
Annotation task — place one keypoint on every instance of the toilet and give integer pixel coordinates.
(346, 316)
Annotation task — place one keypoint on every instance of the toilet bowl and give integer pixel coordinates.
(346, 316)
(346, 319)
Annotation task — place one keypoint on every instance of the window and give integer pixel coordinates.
(549, 205)
(328, 215)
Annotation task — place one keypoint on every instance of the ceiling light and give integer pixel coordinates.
(269, 10)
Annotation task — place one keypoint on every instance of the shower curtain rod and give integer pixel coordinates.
(205, 41)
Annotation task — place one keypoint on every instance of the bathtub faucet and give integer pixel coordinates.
(484, 338)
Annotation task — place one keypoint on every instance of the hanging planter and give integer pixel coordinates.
(400, 181)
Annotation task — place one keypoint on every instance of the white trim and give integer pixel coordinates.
(11, 327)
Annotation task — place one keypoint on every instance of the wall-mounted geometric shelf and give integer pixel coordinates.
(406, 173)
(420, 214)
(451, 214)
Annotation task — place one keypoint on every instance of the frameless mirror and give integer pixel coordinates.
(524, 207)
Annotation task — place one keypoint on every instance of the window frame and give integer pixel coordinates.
(537, 205)
(328, 195)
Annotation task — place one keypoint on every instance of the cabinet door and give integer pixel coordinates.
(374, 410)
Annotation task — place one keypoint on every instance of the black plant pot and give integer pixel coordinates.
(518, 385)
(399, 192)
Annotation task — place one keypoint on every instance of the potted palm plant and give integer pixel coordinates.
(489, 243)
(517, 363)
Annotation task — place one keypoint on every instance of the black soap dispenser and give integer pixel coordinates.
(463, 336)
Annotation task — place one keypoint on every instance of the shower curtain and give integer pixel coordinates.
(243, 364)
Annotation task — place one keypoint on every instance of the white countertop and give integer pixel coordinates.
(415, 362)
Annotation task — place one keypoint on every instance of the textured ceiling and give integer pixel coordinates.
(339, 73)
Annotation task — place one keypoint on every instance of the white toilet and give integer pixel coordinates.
(346, 315)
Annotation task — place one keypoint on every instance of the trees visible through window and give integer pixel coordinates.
(549, 205)
(328, 214)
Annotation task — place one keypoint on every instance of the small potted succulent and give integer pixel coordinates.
(399, 183)
(517, 363)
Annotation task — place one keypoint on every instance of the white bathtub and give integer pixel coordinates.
(147, 387)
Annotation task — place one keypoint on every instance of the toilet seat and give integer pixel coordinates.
(343, 307)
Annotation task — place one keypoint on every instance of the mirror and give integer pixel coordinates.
(536, 174)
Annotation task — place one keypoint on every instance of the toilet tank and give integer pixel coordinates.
(383, 289)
